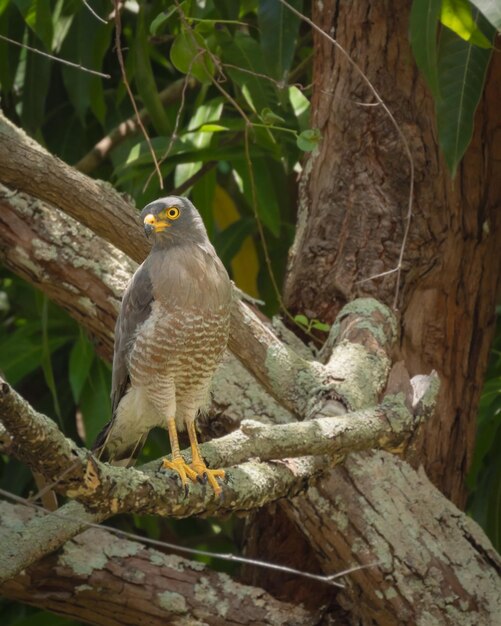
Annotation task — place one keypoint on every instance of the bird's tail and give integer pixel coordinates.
(106, 448)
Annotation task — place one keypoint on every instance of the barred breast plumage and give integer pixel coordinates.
(170, 337)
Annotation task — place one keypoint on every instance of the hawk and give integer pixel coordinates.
(170, 335)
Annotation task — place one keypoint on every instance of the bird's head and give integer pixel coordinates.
(173, 220)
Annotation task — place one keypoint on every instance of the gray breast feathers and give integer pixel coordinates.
(190, 277)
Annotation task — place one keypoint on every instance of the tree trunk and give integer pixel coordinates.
(353, 202)
(353, 205)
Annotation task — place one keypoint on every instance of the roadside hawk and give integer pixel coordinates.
(170, 336)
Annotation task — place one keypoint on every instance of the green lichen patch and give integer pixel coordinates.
(121, 548)
(83, 558)
(206, 595)
(172, 602)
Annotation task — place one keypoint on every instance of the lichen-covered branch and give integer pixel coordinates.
(109, 490)
(26, 166)
(38, 442)
(41, 535)
(97, 571)
(78, 270)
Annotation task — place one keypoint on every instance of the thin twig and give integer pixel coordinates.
(98, 17)
(374, 276)
(234, 558)
(118, 30)
(54, 58)
(125, 129)
(280, 84)
(258, 221)
(177, 122)
(206, 167)
(394, 122)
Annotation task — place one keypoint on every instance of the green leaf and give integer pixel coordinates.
(302, 320)
(270, 118)
(181, 153)
(462, 68)
(456, 15)
(244, 51)
(423, 24)
(202, 193)
(3, 5)
(268, 208)
(62, 19)
(37, 15)
(188, 54)
(491, 10)
(207, 111)
(301, 107)
(145, 81)
(309, 139)
(230, 240)
(485, 504)
(86, 43)
(95, 401)
(278, 30)
(212, 128)
(81, 359)
(162, 18)
(322, 326)
(35, 89)
(47, 358)
(22, 351)
(12, 25)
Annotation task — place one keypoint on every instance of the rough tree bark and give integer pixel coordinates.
(353, 200)
(90, 577)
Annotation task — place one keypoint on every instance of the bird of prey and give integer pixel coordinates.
(170, 336)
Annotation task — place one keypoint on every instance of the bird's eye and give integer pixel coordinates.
(173, 213)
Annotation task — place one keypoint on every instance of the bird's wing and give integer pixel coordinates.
(136, 308)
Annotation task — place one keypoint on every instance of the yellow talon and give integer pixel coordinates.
(202, 472)
(180, 466)
(197, 469)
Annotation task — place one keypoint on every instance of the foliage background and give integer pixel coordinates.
(225, 88)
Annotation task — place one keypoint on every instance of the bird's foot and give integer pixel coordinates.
(203, 473)
(183, 470)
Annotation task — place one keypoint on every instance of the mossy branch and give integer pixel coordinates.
(96, 568)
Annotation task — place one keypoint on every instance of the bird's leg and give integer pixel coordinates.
(198, 464)
(178, 464)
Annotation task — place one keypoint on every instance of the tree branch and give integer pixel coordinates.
(37, 441)
(97, 570)
(65, 260)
